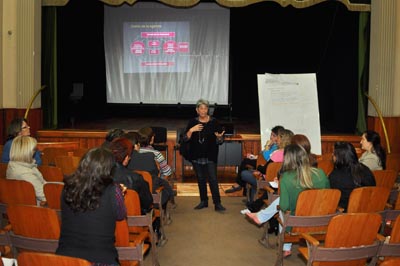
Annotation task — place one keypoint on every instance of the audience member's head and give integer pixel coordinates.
(121, 148)
(284, 138)
(111, 135)
(371, 142)
(303, 141)
(275, 133)
(83, 189)
(114, 133)
(133, 137)
(146, 135)
(344, 155)
(296, 159)
(23, 149)
(18, 127)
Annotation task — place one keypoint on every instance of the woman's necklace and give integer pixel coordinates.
(202, 137)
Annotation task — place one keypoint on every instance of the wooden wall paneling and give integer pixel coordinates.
(393, 129)
(35, 120)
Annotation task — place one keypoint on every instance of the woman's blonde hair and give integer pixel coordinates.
(22, 149)
(297, 159)
(286, 137)
(201, 102)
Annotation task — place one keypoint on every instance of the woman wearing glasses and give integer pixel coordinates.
(204, 134)
(18, 127)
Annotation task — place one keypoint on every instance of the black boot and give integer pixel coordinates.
(219, 208)
(202, 204)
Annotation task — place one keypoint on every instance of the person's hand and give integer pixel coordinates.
(268, 145)
(123, 188)
(198, 127)
(251, 156)
(219, 135)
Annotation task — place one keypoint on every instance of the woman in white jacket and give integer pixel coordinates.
(22, 165)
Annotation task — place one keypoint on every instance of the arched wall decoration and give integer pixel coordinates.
(352, 5)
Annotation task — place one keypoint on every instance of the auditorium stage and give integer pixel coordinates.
(241, 126)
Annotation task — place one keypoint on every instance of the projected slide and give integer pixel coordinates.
(156, 54)
(156, 47)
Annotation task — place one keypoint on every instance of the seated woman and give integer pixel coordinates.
(111, 135)
(145, 161)
(22, 165)
(297, 175)
(90, 206)
(122, 149)
(348, 173)
(251, 159)
(283, 140)
(374, 156)
(18, 127)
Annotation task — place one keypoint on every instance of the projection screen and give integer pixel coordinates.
(157, 54)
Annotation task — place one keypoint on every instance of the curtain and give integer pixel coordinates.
(363, 68)
(49, 67)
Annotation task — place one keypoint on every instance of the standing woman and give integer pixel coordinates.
(17, 127)
(374, 156)
(91, 203)
(204, 134)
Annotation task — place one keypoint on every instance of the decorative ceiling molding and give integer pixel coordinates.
(54, 2)
(352, 5)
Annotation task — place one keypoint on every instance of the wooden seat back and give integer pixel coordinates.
(53, 191)
(17, 192)
(314, 209)
(391, 249)
(79, 152)
(33, 221)
(3, 170)
(51, 173)
(68, 164)
(316, 202)
(368, 199)
(393, 162)
(391, 262)
(142, 230)
(272, 170)
(385, 178)
(49, 154)
(350, 240)
(326, 165)
(129, 253)
(39, 259)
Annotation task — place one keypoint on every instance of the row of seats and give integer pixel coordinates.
(316, 220)
(132, 235)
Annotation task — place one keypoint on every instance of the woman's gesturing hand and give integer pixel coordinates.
(198, 127)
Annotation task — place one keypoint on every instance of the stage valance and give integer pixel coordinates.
(353, 5)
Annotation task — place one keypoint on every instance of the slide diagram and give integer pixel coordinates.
(151, 47)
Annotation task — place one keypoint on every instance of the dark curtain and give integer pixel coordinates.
(49, 67)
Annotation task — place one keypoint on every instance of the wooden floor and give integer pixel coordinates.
(191, 189)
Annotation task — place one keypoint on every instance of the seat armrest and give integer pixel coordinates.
(310, 240)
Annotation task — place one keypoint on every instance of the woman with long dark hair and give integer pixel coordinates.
(374, 156)
(90, 206)
(348, 172)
